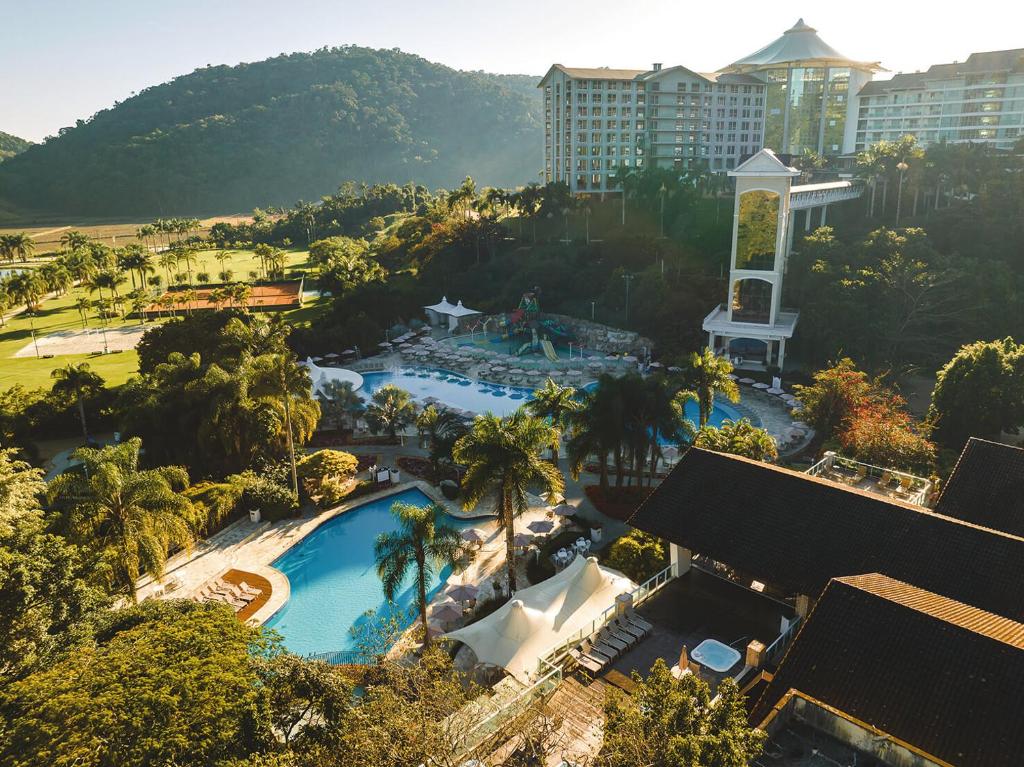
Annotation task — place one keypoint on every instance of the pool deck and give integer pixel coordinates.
(252, 547)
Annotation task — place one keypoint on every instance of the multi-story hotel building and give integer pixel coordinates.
(980, 100)
(597, 120)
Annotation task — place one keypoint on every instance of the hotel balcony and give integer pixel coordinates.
(888, 483)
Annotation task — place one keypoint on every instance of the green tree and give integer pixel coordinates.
(340, 402)
(390, 409)
(424, 544)
(309, 700)
(558, 404)
(503, 459)
(837, 391)
(26, 287)
(738, 438)
(708, 374)
(979, 392)
(170, 683)
(637, 555)
(21, 485)
(131, 517)
(440, 429)
(79, 383)
(667, 722)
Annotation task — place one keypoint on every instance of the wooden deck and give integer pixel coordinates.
(236, 577)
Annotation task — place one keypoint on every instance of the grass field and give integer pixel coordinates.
(59, 314)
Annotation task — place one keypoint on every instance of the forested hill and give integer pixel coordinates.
(292, 127)
(11, 145)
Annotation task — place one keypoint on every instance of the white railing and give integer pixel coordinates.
(773, 653)
(915, 489)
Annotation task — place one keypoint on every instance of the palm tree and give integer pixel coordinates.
(391, 409)
(597, 429)
(168, 261)
(666, 417)
(440, 429)
(279, 378)
(557, 404)
(423, 542)
(82, 306)
(707, 374)
(77, 381)
(27, 288)
(21, 245)
(74, 239)
(132, 517)
(739, 438)
(502, 457)
(339, 400)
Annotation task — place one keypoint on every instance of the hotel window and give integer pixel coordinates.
(595, 179)
(611, 124)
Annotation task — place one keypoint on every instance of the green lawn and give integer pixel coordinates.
(60, 314)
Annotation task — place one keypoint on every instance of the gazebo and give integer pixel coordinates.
(446, 314)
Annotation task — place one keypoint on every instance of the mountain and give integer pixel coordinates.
(230, 138)
(11, 145)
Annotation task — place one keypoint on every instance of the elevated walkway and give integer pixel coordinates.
(815, 195)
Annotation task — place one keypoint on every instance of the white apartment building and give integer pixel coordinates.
(979, 100)
(599, 119)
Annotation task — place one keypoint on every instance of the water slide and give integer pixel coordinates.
(549, 350)
(524, 348)
(558, 332)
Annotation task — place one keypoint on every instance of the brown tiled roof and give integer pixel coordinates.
(987, 487)
(938, 674)
(799, 532)
(600, 73)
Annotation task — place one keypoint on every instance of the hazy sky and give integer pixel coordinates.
(61, 60)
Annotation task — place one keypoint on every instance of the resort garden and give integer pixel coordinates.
(261, 568)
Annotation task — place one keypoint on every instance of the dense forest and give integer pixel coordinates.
(230, 138)
(11, 145)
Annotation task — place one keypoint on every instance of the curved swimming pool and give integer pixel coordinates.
(456, 390)
(334, 579)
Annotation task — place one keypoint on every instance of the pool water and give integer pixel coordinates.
(511, 345)
(455, 390)
(334, 578)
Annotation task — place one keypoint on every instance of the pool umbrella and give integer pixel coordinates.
(517, 371)
(733, 377)
(674, 369)
(629, 358)
(433, 628)
(317, 359)
(463, 592)
(658, 365)
(332, 356)
(472, 535)
(348, 352)
(498, 368)
(541, 526)
(575, 372)
(522, 540)
(564, 510)
(384, 344)
(747, 381)
(612, 357)
(760, 385)
(534, 373)
(775, 390)
(446, 612)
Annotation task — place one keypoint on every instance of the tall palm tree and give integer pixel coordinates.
(707, 374)
(440, 429)
(278, 377)
(74, 239)
(82, 306)
(422, 542)
(22, 245)
(390, 409)
(132, 517)
(77, 381)
(502, 457)
(26, 287)
(339, 400)
(168, 262)
(557, 404)
(667, 417)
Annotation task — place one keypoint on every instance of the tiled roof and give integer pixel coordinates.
(937, 674)
(977, 63)
(799, 532)
(987, 487)
(601, 73)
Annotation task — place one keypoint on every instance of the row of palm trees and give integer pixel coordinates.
(18, 245)
(182, 228)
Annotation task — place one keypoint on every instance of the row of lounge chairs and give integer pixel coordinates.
(220, 590)
(621, 634)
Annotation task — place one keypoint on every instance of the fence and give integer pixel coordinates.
(774, 652)
(343, 657)
(916, 490)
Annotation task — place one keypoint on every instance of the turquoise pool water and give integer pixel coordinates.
(456, 390)
(334, 579)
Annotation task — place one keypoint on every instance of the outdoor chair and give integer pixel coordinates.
(245, 588)
(628, 628)
(605, 636)
(618, 633)
(599, 651)
(591, 664)
(634, 617)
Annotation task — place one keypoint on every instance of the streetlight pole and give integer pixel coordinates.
(35, 343)
(902, 167)
(593, 310)
(628, 278)
(663, 190)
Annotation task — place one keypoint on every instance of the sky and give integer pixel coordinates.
(63, 60)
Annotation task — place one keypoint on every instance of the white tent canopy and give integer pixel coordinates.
(320, 376)
(448, 313)
(539, 617)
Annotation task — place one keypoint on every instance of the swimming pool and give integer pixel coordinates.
(508, 345)
(334, 578)
(455, 390)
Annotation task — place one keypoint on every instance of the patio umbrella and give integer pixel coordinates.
(522, 540)
(629, 358)
(575, 372)
(612, 358)
(498, 368)
(774, 390)
(317, 359)
(760, 385)
(658, 365)
(541, 526)
(517, 371)
(564, 510)
(471, 535)
(384, 344)
(674, 369)
(463, 592)
(446, 612)
(670, 453)
(595, 365)
(332, 356)
(433, 628)
(733, 377)
(746, 381)
(348, 352)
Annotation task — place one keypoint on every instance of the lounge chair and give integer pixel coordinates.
(905, 483)
(245, 588)
(605, 635)
(233, 591)
(586, 661)
(625, 627)
(598, 651)
(634, 617)
(886, 479)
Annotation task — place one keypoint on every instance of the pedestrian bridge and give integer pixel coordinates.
(815, 195)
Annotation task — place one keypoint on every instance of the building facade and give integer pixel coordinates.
(600, 120)
(980, 100)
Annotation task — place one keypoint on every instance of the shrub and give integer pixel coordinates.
(326, 474)
(214, 502)
(258, 492)
(637, 555)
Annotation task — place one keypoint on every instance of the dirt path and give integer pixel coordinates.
(49, 231)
